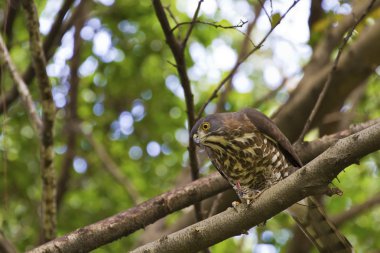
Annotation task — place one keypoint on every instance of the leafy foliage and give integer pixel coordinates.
(131, 101)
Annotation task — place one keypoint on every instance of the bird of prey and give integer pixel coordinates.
(252, 154)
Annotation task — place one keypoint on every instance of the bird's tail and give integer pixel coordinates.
(318, 228)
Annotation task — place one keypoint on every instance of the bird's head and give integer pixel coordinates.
(211, 131)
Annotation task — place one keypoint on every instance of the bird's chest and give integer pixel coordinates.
(250, 159)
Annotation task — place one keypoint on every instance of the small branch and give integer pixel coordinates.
(22, 88)
(310, 180)
(48, 108)
(213, 24)
(5, 245)
(51, 38)
(178, 53)
(111, 167)
(357, 210)
(9, 19)
(331, 73)
(266, 12)
(243, 51)
(237, 65)
(123, 224)
(195, 16)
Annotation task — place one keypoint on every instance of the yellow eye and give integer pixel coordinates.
(206, 126)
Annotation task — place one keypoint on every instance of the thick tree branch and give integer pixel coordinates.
(138, 217)
(125, 223)
(48, 115)
(310, 180)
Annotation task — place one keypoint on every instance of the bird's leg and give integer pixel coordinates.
(238, 190)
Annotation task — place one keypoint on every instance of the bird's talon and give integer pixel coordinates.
(235, 204)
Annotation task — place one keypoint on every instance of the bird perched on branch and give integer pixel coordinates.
(252, 154)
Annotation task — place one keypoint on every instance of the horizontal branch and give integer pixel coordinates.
(125, 223)
(309, 180)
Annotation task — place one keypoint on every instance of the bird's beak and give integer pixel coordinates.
(196, 139)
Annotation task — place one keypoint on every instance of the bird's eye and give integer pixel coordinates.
(206, 126)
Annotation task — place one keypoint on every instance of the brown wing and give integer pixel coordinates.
(269, 128)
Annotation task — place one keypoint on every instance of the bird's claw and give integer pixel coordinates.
(235, 204)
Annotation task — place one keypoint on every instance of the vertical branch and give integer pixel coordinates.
(178, 53)
(48, 114)
(72, 108)
(22, 88)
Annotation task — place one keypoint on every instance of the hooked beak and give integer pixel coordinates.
(196, 139)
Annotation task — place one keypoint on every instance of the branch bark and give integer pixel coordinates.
(48, 115)
(310, 180)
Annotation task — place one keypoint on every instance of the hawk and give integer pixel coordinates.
(252, 154)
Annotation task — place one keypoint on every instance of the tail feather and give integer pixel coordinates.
(318, 228)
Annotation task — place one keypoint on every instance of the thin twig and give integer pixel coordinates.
(237, 65)
(111, 167)
(213, 24)
(265, 10)
(195, 16)
(22, 88)
(243, 50)
(331, 73)
(49, 207)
